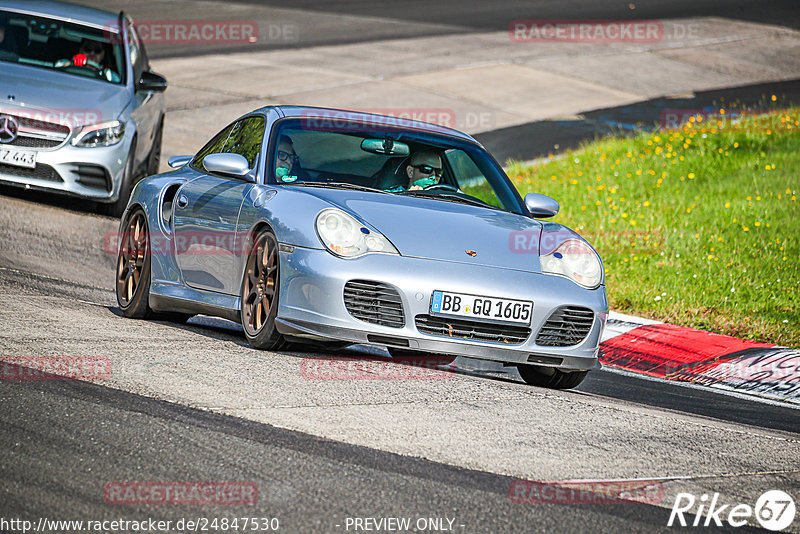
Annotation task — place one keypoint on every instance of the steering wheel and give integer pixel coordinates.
(79, 65)
(442, 187)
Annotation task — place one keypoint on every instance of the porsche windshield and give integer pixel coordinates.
(63, 46)
(390, 160)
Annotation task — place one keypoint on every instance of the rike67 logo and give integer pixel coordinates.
(774, 510)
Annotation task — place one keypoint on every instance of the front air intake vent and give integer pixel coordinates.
(374, 302)
(41, 172)
(35, 142)
(567, 326)
(473, 330)
(93, 176)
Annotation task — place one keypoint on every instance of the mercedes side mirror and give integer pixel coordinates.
(150, 81)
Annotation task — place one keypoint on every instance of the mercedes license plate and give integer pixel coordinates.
(18, 158)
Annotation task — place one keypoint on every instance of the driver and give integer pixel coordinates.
(91, 54)
(424, 169)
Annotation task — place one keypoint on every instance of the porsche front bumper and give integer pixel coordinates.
(312, 305)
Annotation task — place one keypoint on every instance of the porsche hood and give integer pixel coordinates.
(441, 230)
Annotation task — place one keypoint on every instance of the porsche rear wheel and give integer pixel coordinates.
(133, 267)
(547, 377)
(260, 293)
(133, 272)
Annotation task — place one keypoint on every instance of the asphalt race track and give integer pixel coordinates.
(193, 402)
(323, 23)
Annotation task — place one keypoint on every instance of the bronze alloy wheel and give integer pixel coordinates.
(260, 283)
(133, 272)
(132, 259)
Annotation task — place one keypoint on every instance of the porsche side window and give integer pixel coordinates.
(215, 146)
(470, 179)
(245, 138)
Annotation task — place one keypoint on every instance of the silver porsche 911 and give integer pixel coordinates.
(342, 227)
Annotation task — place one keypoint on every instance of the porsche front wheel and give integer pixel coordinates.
(547, 377)
(414, 357)
(259, 293)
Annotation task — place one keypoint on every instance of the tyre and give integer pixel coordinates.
(154, 157)
(259, 294)
(419, 358)
(133, 267)
(116, 209)
(171, 317)
(547, 377)
(325, 346)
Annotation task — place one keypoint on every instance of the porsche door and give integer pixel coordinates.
(207, 211)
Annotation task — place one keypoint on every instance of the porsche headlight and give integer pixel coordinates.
(348, 238)
(103, 134)
(577, 261)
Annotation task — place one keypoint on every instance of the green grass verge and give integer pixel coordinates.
(697, 226)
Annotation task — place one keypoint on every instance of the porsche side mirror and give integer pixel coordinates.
(227, 163)
(541, 206)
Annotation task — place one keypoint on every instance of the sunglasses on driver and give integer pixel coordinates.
(429, 169)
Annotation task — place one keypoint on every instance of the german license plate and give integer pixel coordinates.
(18, 158)
(479, 307)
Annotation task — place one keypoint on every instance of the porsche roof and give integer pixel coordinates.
(359, 116)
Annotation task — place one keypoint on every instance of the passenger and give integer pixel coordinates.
(286, 160)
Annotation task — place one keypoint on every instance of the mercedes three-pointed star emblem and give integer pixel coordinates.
(9, 129)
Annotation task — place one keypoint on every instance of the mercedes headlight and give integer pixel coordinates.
(103, 134)
(348, 238)
(577, 261)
